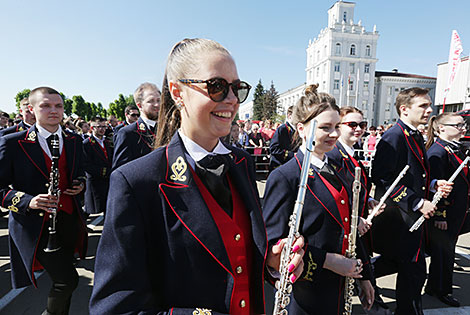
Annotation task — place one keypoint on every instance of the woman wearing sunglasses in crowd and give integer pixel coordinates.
(444, 156)
(326, 213)
(184, 231)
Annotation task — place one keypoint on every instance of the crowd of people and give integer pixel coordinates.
(185, 230)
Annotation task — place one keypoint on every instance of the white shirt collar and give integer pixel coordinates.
(100, 141)
(316, 161)
(196, 152)
(349, 150)
(45, 134)
(410, 126)
(148, 122)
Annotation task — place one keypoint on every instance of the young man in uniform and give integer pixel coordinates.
(401, 250)
(27, 121)
(26, 159)
(281, 146)
(137, 139)
(98, 154)
(132, 114)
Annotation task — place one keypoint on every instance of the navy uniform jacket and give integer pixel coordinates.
(20, 127)
(443, 161)
(318, 290)
(396, 149)
(22, 165)
(98, 168)
(339, 156)
(119, 127)
(132, 142)
(171, 256)
(281, 146)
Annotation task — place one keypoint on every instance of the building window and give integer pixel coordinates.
(387, 107)
(324, 68)
(345, 16)
(351, 85)
(337, 67)
(338, 49)
(352, 67)
(318, 55)
(367, 68)
(352, 51)
(390, 90)
(325, 51)
(368, 50)
(336, 85)
(366, 86)
(318, 72)
(364, 105)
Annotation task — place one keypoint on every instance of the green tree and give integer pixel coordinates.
(100, 110)
(79, 106)
(117, 107)
(258, 101)
(68, 106)
(270, 103)
(20, 95)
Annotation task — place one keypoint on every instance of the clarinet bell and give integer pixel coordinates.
(52, 245)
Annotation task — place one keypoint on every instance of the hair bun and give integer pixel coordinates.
(311, 89)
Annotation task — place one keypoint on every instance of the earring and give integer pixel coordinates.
(179, 104)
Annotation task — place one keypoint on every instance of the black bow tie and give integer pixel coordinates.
(212, 169)
(329, 174)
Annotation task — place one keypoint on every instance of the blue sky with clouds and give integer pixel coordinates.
(99, 49)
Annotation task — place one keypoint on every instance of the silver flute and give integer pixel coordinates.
(283, 285)
(387, 193)
(438, 195)
(351, 251)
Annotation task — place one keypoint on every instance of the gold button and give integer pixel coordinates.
(242, 303)
(60, 205)
(41, 214)
(343, 202)
(345, 219)
(238, 237)
(424, 175)
(239, 269)
(424, 188)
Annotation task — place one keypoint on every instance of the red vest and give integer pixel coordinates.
(342, 203)
(65, 201)
(238, 241)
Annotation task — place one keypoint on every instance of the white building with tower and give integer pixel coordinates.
(341, 60)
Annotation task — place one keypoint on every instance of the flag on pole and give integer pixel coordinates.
(453, 63)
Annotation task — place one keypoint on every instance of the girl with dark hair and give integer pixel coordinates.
(326, 213)
(184, 231)
(444, 156)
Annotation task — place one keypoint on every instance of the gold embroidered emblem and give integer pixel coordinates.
(20, 129)
(407, 133)
(15, 200)
(92, 140)
(311, 267)
(400, 196)
(13, 208)
(344, 155)
(142, 126)
(441, 214)
(32, 136)
(202, 311)
(179, 168)
(310, 172)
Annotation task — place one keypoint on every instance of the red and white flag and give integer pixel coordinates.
(454, 61)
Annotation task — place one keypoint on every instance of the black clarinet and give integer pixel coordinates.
(52, 243)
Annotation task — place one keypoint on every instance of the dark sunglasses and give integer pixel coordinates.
(458, 126)
(135, 115)
(217, 88)
(353, 124)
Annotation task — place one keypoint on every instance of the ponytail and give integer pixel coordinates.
(169, 118)
(430, 133)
